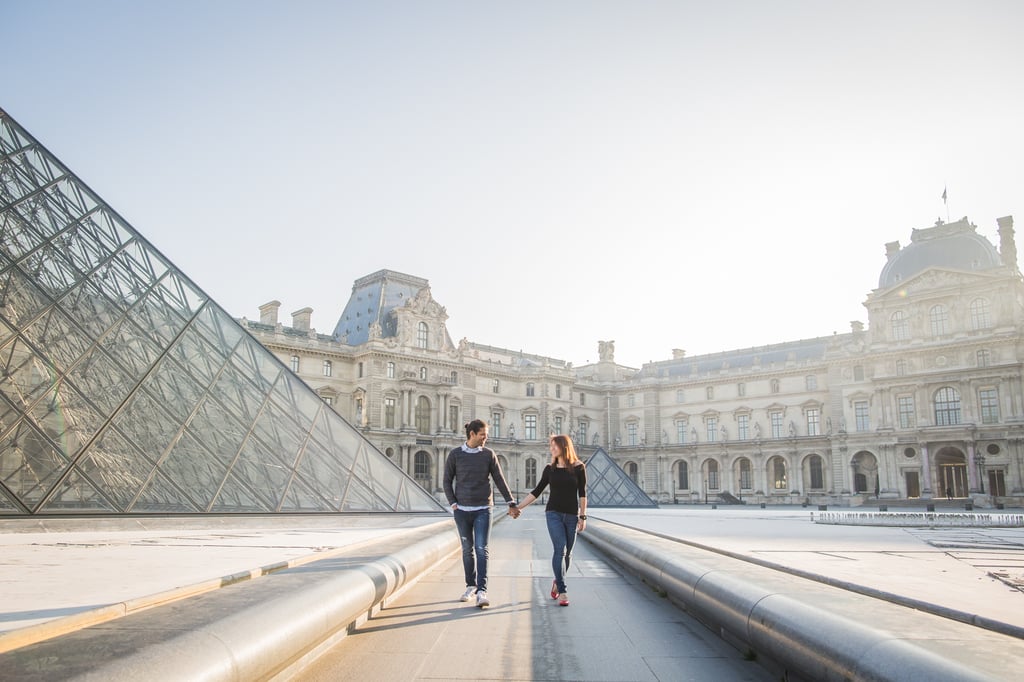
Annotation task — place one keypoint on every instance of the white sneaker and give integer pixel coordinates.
(482, 600)
(468, 594)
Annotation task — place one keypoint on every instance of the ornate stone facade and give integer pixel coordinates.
(924, 403)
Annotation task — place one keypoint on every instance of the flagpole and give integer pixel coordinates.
(945, 201)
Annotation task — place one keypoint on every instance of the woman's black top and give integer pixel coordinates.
(567, 486)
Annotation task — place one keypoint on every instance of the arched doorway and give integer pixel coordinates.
(951, 470)
(422, 470)
(865, 473)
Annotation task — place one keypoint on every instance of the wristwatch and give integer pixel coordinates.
(583, 517)
(513, 504)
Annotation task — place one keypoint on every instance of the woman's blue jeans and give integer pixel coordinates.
(562, 529)
(474, 531)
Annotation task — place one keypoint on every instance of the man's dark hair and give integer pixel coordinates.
(475, 426)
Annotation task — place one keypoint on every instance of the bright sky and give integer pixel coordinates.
(698, 175)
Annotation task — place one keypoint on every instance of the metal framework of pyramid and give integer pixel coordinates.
(609, 486)
(125, 390)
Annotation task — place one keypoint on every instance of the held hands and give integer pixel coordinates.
(581, 525)
(514, 512)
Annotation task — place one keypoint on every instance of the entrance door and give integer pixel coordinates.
(913, 484)
(953, 478)
(996, 483)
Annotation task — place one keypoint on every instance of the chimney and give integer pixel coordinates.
(300, 319)
(891, 249)
(678, 353)
(856, 326)
(268, 313)
(1007, 247)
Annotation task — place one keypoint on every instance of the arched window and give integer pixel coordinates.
(531, 473)
(898, 326)
(423, 373)
(683, 472)
(947, 406)
(295, 364)
(984, 358)
(981, 316)
(423, 414)
(632, 471)
(778, 472)
(391, 370)
(421, 335)
(421, 469)
(814, 465)
(713, 479)
(746, 480)
(939, 318)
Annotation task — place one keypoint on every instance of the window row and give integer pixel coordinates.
(979, 318)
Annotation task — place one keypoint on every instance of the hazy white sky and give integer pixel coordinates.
(698, 175)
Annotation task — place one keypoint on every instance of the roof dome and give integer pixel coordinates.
(947, 245)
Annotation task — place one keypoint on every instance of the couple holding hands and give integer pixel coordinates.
(468, 472)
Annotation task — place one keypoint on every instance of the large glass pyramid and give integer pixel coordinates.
(609, 486)
(125, 389)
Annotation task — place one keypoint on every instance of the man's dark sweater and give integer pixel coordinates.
(470, 471)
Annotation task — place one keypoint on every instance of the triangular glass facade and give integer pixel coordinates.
(609, 486)
(125, 389)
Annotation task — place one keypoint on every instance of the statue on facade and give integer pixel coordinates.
(594, 439)
(606, 350)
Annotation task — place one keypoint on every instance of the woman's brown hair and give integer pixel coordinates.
(564, 443)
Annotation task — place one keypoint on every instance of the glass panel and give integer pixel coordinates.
(193, 469)
(161, 497)
(29, 465)
(262, 472)
(131, 348)
(173, 388)
(89, 309)
(49, 271)
(238, 394)
(218, 430)
(99, 378)
(20, 299)
(117, 468)
(56, 335)
(236, 497)
(145, 423)
(76, 494)
(279, 433)
(299, 498)
(194, 352)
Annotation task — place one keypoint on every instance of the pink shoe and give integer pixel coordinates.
(554, 589)
(564, 601)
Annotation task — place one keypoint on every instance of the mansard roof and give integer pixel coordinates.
(771, 356)
(373, 299)
(955, 246)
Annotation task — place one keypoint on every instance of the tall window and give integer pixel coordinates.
(581, 430)
(391, 370)
(423, 414)
(633, 471)
(860, 415)
(360, 370)
(583, 399)
(295, 364)
(776, 422)
(746, 477)
(858, 372)
(423, 373)
(947, 406)
(631, 434)
(981, 316)
(905, 411)
(530, 422)
(454, 378)
(558, 391)
(898, 326)
(901, 368)
(817, 473)
(741, 389)
(422, 333)
(778, 469)
(529, 389)
(495, 425)
(631, 400)
(989, 399)
(453, 418)
(711, 424)
(984, 358)
(389, 413)
(680, 431)
(495, 386)
(531, 473)
(680, 396)
(710, 392)
(683, 472)
(743, 426)
(713, 479)
(421, 469)
(558, 425)
(814, 422)
(811, 382)
(328, 368)
(775, 385)
(938, 316)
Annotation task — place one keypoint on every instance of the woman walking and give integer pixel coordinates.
(566, 510)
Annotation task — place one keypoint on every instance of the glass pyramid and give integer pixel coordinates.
(609, 486)
(125, 389)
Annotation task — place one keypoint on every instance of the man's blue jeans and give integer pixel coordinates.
(474, 531)
(562, 529)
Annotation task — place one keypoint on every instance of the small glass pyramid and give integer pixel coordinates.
(609, 486)
(125, 389)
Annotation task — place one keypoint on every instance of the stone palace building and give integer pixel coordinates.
(925, 402)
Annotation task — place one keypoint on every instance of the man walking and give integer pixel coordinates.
(472, 467)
